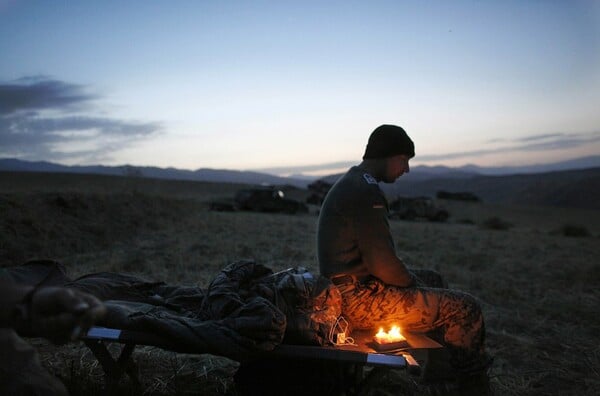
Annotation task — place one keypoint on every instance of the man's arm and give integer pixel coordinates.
(377, 247)
(56, 313)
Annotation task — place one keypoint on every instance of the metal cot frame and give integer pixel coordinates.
(354, 358)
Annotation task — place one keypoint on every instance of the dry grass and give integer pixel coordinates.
(538, 286)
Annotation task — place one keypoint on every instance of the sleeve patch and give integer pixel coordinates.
(370, 179)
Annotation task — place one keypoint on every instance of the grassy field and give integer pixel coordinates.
(535, 270)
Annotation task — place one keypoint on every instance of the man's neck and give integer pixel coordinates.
(374, 167)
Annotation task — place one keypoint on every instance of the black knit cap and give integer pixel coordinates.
(387, 141)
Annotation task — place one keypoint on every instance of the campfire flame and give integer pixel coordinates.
(394, 335)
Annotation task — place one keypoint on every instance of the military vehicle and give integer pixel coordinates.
(319, 189)
(458, 196)
(412, 208)
(260, 199)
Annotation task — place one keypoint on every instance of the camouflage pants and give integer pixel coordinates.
(451, 316)
(21, 372)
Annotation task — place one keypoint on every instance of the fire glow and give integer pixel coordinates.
(392, 336)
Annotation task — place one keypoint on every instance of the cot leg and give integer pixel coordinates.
(115, 368)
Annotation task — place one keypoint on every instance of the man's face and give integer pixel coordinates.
(396, 167)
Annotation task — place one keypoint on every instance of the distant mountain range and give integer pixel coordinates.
(592, 161)
(203, 174)
(421, 172)
(574, 183)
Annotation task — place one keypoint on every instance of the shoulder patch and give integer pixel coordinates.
(370, 179)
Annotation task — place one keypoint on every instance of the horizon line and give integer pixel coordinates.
(326, 169)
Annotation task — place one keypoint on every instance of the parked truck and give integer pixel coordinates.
(318, 190)
(412, 208)
(260, 199)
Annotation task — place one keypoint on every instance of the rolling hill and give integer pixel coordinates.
(578, 188)
(202, 174)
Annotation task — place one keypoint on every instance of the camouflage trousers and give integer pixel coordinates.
(21, 372)
(451, 317)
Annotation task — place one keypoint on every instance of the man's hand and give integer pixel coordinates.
(61, 314)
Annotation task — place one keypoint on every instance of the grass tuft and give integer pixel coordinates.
(571, 230)
(496, 223)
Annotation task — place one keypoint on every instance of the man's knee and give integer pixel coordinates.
(430, 278)
(472, 308)
(460, 304)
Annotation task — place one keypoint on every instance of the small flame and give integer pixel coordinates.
(394, 335)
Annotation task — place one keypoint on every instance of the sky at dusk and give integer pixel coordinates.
(289, 87)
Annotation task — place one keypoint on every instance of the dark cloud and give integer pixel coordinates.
(546, 142)
(542, 137)
(560, 141)
(527, 138)
(28, 131)
(37, 93)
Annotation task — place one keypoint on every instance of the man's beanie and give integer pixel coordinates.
(387, 141)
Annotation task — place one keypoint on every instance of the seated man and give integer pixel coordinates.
(356, 251)
(56, 313)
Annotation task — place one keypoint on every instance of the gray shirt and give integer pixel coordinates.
(353, 234)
